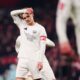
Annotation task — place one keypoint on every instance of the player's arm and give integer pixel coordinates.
(15, 15)
(42, 49)
(49, 43)
(42, 43)
(17, 45)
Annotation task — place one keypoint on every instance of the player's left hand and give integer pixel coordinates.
(40, 66)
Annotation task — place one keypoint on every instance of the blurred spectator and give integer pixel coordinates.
(1, 77)
(10, 73)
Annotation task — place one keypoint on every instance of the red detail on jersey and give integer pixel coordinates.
(61, 6)
(42, 37)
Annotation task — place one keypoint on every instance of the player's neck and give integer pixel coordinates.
(32, 23)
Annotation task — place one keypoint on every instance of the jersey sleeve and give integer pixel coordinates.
(43, 36)
(17, 44)
(15, 16)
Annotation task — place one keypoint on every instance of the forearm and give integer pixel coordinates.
(15, 16)
(42, 48)
(16, 12)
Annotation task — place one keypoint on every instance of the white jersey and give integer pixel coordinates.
(32, 39)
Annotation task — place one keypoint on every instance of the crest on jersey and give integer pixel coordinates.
(25, 28)
(34, 31)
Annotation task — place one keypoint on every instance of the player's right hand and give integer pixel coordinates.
(40, 66)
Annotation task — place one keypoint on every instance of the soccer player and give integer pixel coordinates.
(68, 9)
(31, 54)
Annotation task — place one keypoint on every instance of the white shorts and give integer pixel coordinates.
(27, 68)
(47, 71)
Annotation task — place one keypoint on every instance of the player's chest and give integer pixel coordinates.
(31, 33)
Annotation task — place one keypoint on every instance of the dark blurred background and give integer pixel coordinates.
(45, 14)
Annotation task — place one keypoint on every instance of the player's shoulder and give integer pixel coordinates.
(40, 26)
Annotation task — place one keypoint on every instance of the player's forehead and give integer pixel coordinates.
(26, 14)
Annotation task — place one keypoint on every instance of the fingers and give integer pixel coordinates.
(40, 66)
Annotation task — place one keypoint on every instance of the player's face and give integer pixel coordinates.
(28, 17)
